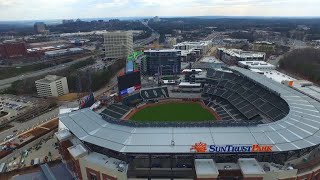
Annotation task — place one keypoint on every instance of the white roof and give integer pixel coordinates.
(242, 54)
(195, 43)
(206, 168)
(160, 50)
(210, 59)
(256, 64)
(67, 110)
(63, 134)
(298, 130)
(189, 84)
(77, 151)
(278, 76)
(257, 70)
(105, 161)
(250, 166)
(190, 70)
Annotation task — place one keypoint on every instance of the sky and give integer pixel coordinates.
(72, 9)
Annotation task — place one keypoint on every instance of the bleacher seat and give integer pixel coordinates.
(244, 96)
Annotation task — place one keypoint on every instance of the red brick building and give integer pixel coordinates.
(13, 49)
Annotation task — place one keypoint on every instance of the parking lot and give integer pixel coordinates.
(13, 107)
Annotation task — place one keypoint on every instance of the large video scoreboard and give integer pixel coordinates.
(128, 83)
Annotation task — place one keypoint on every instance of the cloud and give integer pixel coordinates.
(61, 9)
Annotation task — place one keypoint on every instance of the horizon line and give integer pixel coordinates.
(142, 17)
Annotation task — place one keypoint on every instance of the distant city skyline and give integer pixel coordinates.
(71, 9)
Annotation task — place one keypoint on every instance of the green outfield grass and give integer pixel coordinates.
(183, 112)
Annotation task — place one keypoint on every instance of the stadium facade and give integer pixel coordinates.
(268, 126)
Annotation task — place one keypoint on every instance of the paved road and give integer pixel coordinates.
(6, 82)
(146, 41)
(28, 124)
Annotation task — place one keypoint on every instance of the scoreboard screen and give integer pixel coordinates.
(129, 83)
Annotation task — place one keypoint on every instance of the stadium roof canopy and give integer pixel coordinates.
(298, 130)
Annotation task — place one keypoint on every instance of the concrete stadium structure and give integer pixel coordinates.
(197, 151)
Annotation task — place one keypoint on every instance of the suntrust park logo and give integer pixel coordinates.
(203, 147)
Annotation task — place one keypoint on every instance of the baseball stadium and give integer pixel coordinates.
(230, 123)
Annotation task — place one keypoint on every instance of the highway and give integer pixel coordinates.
(7, 82)
(148, 40)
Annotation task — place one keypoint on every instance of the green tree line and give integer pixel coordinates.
(304, 63)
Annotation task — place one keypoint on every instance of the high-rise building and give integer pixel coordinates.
(118, 44)
(40, 27)
(52, 85)
(164, 62)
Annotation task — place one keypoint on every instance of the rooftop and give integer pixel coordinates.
(298, 130)
(191, 70)
(49, 79)
(77, 151)
(278, 76)
(195, 43)
(250, 166)
(63, 134)
(256, 64)
(107, 162)
(242, 54)
(161, 50)
(206, 168)
(264, 42)
(210, 59)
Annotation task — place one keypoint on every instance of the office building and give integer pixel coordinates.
(52, 86)
(164, 62)
(40, 27)
(12, 49)
(118, 44)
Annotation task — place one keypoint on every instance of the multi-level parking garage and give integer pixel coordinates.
(288, 126)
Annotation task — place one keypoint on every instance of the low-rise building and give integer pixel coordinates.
(52, 86)
(202, 46)
(13, 49)
(260, 65)
(232, 56)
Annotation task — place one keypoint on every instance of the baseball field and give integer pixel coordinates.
(170, 112)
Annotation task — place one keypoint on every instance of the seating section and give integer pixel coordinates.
(116, 110)
(154, 93)
(132, 100)
(245, 99)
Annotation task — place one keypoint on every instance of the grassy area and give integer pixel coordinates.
(70, 96)
(184, 112)
(169, 78)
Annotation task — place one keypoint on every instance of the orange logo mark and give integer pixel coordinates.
(199, 147)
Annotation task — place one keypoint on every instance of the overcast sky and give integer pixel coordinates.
(64, 9)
